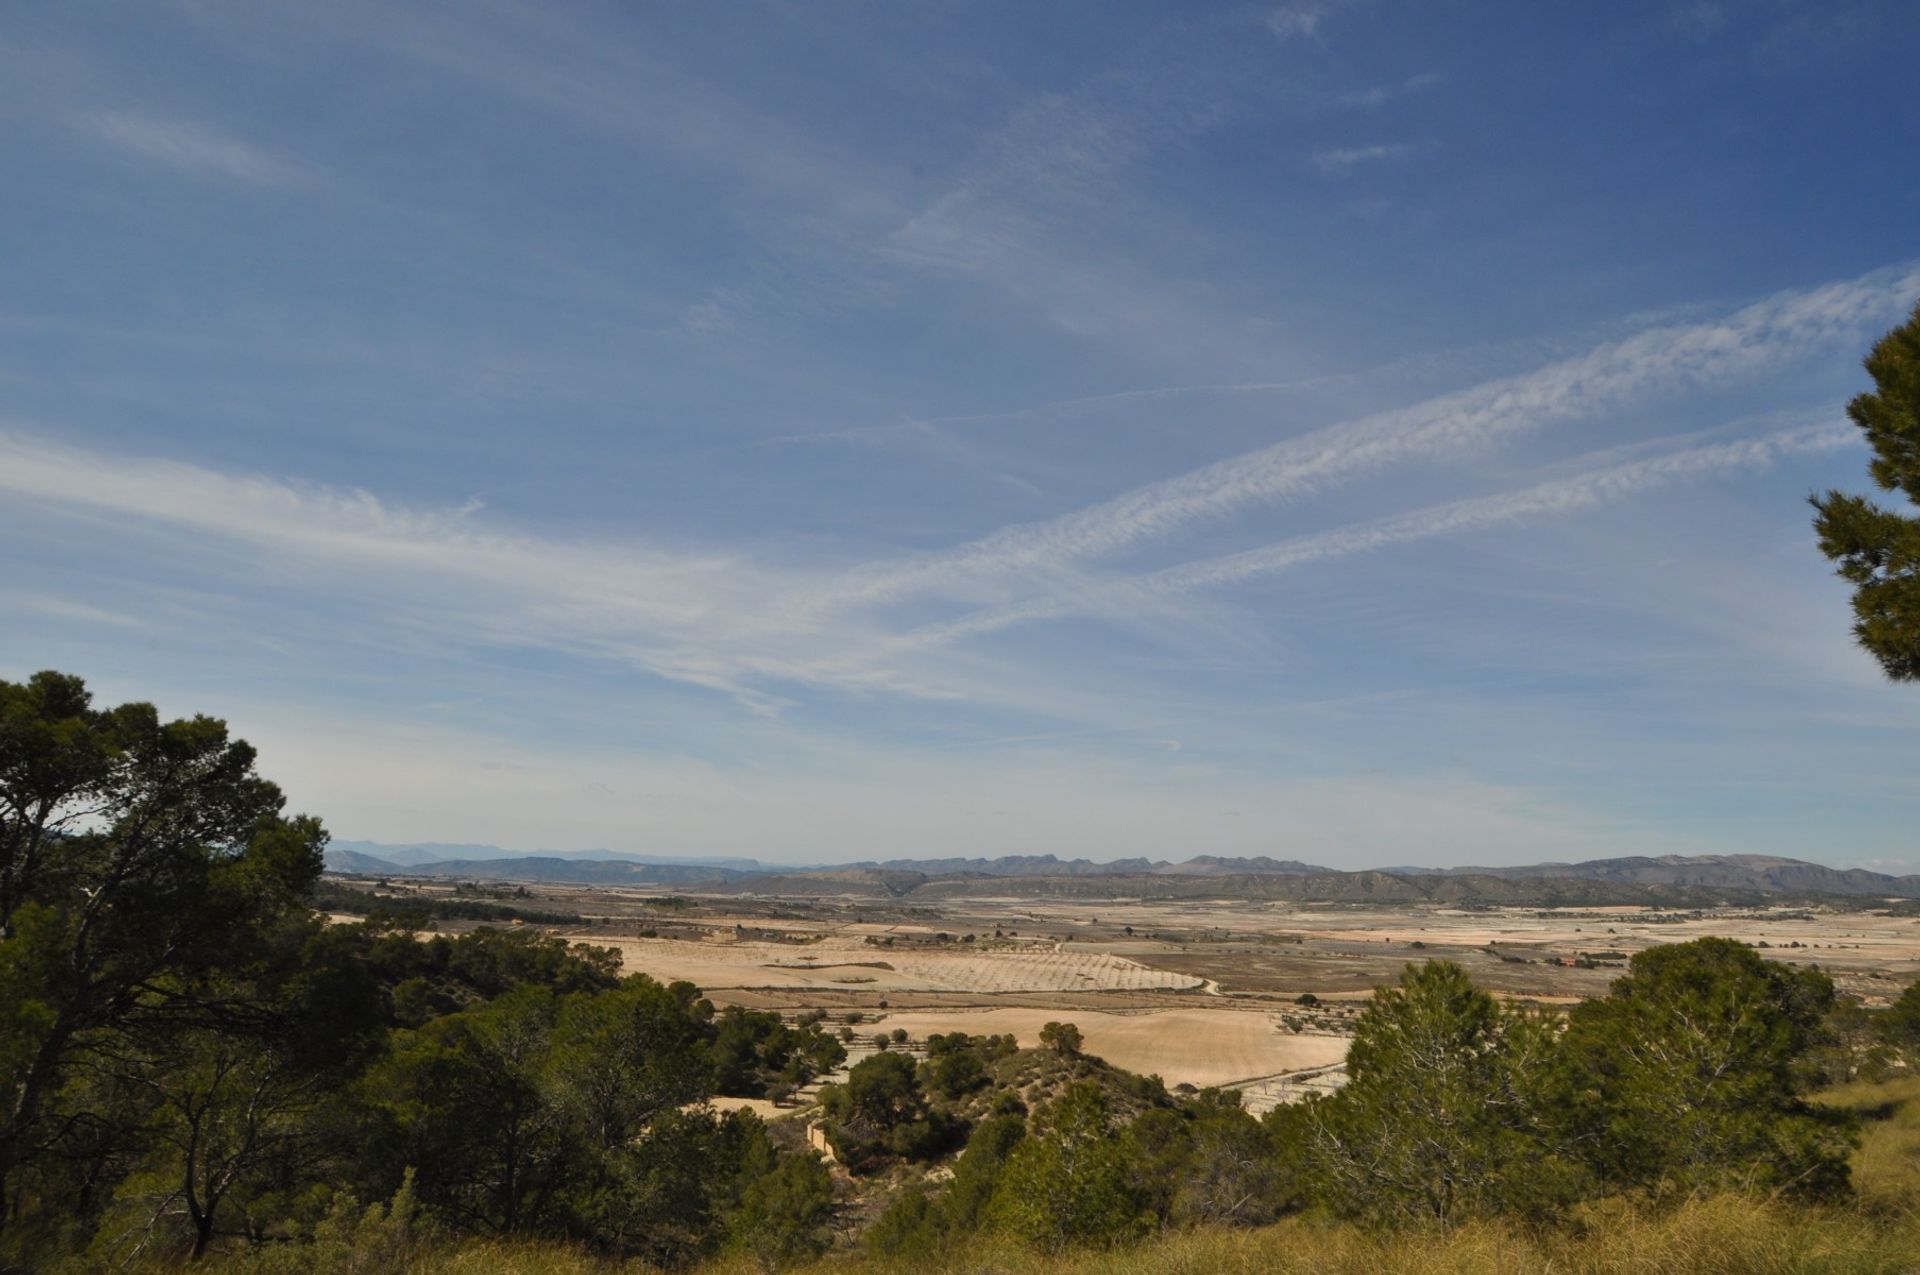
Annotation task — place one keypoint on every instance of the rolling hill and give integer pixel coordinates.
(1668, 879)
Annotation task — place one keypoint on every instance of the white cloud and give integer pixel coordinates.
(1301, 19)
(1341, 160)
(1608, 377)
(727, 622)
(691, 617)
(67, 609)
(188, 147)
(1596, 486)
(754, 626)
(718, 620)
(1560, 496)
(1381, 94)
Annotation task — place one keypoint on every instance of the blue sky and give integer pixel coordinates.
(1364, 432)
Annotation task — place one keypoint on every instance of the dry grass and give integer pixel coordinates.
(1886, 1169)
(1720, 1236)
(1725, 1235)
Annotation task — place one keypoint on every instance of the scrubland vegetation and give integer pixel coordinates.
(203, 1072)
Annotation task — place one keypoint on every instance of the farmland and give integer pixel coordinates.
(1254, 994)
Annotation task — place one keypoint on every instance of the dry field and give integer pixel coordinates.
(1195, 990)
(1199, 1047)
(719, 965)
(1281, 950)
(1202, 991)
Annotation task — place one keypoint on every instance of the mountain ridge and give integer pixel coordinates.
(1632, 878)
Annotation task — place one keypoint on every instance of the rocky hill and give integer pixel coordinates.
(1766, 873)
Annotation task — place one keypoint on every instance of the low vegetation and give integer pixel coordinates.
(202, 1072)
(420, 912)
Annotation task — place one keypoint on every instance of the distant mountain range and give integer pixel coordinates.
(1668, 879)
(1736, 871)
(416, 853)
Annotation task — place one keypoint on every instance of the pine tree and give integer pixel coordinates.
(1878, 549)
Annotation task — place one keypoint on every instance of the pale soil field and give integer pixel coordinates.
(722, 965)
(795, 953)
(1194, 990)
(1193, 1046)
(1283, 949)
(1853, 938)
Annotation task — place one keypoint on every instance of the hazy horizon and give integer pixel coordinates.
(1326, 430)
(454, 851)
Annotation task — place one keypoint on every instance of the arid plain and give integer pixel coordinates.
(1255, 995)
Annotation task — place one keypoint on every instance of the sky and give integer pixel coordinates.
(1357, 431)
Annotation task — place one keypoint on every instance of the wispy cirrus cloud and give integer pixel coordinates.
(717, 620)
(1340, 160)
(68, 609)
(1302, 19)
(188, 147)
(1024, 213)
(1380, 94)
(684, 616)
(1591, 487)
(752, 623)
(1665, 359)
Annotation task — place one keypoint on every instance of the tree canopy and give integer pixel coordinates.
(1878, 549)
(192, 1057)
(1444, 1115)
(1691, 1072)
(147, 875)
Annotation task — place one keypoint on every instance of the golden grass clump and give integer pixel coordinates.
(1722, 1235)
(1886, 1169)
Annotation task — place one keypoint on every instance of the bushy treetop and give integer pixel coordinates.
(1878, 549)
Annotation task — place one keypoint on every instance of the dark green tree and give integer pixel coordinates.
(1878, 549)
(1160, 1151)
(784, 1214)
(956, 1073)
(881, 1113)
(238, 1108)
(1061, 1038)
(140, 860)
(912, 1228)
(1690, 1074)
(1073, 1184)
(1899, 1024)
(1852, 1047)
(917, 1225)
(1231, 1175)
(666, 1197)
(977, 1173)
(622, 1058)
(1443, 1116)
(755, 1054)
(467, 1102)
